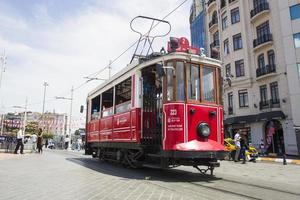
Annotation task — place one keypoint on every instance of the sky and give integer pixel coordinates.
(62, 41)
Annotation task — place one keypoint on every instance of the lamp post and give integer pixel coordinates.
(45, 85)
(25, 115)
(70, 115)
(3, 59)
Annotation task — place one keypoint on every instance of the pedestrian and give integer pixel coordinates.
(237, 138)
(67, 140)
(34, 140)
(262, 147)
(79, 143)
(20, 138)
(40, 140)
(9, 141)
(244, 146)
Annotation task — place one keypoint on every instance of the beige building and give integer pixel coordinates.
(258, 42)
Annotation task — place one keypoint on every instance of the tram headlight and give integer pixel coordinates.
(203, 129)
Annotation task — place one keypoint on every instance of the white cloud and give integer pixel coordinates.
(63, 51)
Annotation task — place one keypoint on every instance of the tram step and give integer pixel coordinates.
(154, 155)
(152, 166)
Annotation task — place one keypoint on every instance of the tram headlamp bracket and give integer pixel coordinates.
(203, 129)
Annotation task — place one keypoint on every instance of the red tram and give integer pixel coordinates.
(164, 111)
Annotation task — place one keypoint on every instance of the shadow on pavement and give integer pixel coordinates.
(150, 174)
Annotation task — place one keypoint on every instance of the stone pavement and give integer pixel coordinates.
(59, 174)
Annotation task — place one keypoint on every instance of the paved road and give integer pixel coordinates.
(71, 175)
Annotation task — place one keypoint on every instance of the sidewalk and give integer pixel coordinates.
(279, 160)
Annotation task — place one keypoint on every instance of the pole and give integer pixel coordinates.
(109, 69)
(2, 122)
(3, 63)
(45, 85)
(25, 117)
(70, 120)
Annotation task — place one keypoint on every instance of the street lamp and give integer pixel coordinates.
(70, 117)
(25, 115)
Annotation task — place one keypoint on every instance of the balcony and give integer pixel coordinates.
(259, 10)
(268, 69)
(213, 24)
(230, 110)
(262, 41)
(211, 4)
(272, 103)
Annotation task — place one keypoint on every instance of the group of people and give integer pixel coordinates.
(240, 141)
(37, 141)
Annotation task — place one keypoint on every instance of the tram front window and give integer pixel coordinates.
(208, 84)
(193, 73)
(180, 95)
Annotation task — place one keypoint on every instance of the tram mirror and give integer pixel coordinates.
(81, 109)
(160, 70)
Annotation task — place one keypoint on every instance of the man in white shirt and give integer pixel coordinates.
(20, 138)
(237, 138)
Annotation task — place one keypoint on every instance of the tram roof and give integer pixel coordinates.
(170, 56)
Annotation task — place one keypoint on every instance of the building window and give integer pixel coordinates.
(295, 11)
(274, 92)
(226, 47)
(216, 38)
(223, 3)
(243, 98)
(235, 15)
(271, 58)
(239, 68)
(297, 40)
(228, 70)
(263, 95)
(230, 103)
(224, 22)
(263, 30)
(237, 42)
(261, 61)
(298, 65)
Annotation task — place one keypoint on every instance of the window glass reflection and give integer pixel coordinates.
(180, 96)
(208, 84)
(193, 82)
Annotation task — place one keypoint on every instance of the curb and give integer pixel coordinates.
(279, 160)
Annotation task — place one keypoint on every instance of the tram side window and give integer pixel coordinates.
(208, 84)
(193, 76)
(123, 96)
(170, 83)
(180, 94)
(107, 102)
(95, 108)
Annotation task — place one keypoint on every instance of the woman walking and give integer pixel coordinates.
(40, 141)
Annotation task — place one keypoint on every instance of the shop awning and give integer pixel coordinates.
(241, 119)
(270, 115)
(254, 118)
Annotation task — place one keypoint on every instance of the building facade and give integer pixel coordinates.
(258, 42)
(198, 24)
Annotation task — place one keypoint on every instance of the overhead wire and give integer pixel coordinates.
(132, 45)
(95, 74)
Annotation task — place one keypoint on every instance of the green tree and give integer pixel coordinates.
(32, 127)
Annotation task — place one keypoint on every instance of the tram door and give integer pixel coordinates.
(152, 108)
